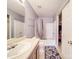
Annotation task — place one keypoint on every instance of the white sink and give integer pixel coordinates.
(18, 50)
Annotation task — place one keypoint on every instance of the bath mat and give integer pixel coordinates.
(51, 53)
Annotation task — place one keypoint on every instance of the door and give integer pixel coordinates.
(67, 32)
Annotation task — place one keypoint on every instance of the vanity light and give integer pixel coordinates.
(21, 2)
(39, 6)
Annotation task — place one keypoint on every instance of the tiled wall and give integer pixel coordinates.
(30, 17)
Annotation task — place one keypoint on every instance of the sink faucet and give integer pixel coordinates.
(12, 47)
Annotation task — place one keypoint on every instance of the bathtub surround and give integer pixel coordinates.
(46, 26)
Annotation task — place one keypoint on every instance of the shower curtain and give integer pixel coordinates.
(39, 28)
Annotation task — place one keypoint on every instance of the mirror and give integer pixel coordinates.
(15, 25)
(9, 27)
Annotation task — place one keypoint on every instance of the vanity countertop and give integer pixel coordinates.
(14, 41)
(26, 53)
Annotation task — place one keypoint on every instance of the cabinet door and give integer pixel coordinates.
(33, 55)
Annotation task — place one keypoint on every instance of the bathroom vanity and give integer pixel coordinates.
(24, 48)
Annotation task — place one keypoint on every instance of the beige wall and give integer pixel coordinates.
(66, 31)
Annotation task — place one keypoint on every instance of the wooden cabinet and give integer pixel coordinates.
(34, 53)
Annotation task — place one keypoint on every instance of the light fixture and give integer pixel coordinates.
(21, 2)
(39, 6)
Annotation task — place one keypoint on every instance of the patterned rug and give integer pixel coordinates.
(51, 53)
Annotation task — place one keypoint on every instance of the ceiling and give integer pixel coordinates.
(47, 8)
(43, 8)
(16, 7)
